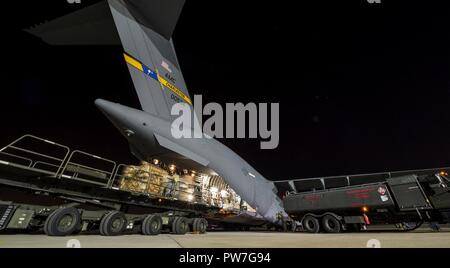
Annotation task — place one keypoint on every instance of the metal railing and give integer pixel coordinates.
(33, 156)
(19, 157)
(383, 176)
(59, 165)
(73, 170)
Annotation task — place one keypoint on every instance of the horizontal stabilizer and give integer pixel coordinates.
(164, 142)
(92, 25)
(159, 15)
(144, 28)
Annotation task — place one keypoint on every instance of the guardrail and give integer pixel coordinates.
(73, 169)
(59, 161)
(34, 157)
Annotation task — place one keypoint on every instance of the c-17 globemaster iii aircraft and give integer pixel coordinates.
(144, 28)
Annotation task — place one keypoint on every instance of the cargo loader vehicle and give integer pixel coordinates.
(66, 192)
(350, 203)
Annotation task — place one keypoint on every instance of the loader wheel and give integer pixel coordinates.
(199, 225)
(79, 229)
(331, 224)
(293, 226)
(203, 226)
(180, 225)
(62, 222)
(151, 225)
(311, 224)
(113, 223)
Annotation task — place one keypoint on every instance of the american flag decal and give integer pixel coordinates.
(166, 66)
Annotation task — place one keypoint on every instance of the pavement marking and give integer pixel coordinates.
(178, 243)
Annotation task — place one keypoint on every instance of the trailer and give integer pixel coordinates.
(44, 186)
(350, 203)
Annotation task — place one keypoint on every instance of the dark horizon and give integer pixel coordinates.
(362, 87)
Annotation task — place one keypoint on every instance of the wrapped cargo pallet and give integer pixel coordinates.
(189, 187)
(146, 178)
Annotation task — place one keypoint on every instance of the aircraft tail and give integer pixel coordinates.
(144, 28)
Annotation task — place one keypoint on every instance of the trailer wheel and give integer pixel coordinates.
(180, 225)
(311, 224)
(151, 225)
(78, 229)
(293, 226)
(195, 225)
(199, 225)
(203, 225)
(113, 223)
(331, 224)
(62, 222)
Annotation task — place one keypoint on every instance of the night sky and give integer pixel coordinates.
(362, 87)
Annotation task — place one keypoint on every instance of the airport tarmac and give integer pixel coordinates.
(416, 239)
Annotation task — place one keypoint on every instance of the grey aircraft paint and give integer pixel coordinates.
(145, 28)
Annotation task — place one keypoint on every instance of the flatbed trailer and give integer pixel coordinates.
(349, 203)
(60, 194)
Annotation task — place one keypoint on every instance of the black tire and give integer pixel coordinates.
(173, 224)
(203, 225)
(113, 223)
(199, 225)
(151, 225)
(196, 225)
(47, 222)
(410, 226)
(331, 224)
(62, 222)
(311, 224)
(293, 226)
(79, 229)
(180, 225)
